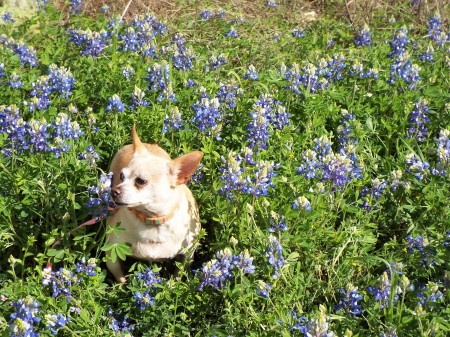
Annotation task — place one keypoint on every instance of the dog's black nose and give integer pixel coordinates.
(115, 192)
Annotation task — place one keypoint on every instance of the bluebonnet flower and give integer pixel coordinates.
(232, 174)
(220, 14)
(313, 78)
(128, 71)
(330, 43)
(75, 6)
(37, 136)
(435, 32)
(64, 279)
(364, 37)
(261, 182)
(56, 322)
(258, 129)
(60, 80)
(206, 14)
(14, 81)
(149, 278)
(217, 272)
(206, 114)
(244, 262)
(137, 98)
(190, 83)
(173, 121)
(382, 293)
(2, 70)
(248, 155)
(334, 69)
(90, 156)
(399, 43)
(263, 289)
(297, 32)
(92, 43)
(349, 300)
(418, 118)
(144, 300)
(113, 25)
(318, 326)
(87, 267)
(428, 295)
(443, 153)
(130, 40)
(159, 81)
(251, 73)
(422, 246)
(7, 17)
(139, 36)
(266, 111)
(228, 93)
(310, 167)
(105, 9)
(376, 191)
(357, 69)
(26, 54)
(447, 239)
(396, 181)
(40, 95)
(277, 222)
(25, 317)
(72, 109)
(61, 281)
(302, 203)
(338, 168)
(232, 33)
(182, 56)
(417, 167)
(198, 175)
(41, 4)
(427, 55)
(275, 257)
(119, 322)
(271, 3)
(216, 62)
(100, 196)
(390, 332)
(115, 104)
(64, 129)
(298, 324)
(395, 269)
(403, 68)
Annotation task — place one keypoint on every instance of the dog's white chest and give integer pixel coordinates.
(156, 242)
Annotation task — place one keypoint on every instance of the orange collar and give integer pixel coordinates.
(150, 220)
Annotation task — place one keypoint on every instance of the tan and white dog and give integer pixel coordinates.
(154, 206)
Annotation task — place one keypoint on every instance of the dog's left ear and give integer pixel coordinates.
(184, 167)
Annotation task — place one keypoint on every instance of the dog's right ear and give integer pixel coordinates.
(138, 146)
(184, 167)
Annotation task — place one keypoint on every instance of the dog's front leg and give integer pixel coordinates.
(115, 268)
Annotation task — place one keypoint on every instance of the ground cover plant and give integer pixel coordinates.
(323, 191)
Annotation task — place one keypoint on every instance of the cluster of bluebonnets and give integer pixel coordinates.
(27, 317)
(332, 166)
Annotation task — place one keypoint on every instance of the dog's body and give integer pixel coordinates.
(155, 207)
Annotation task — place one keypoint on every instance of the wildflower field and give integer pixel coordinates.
(323, 191)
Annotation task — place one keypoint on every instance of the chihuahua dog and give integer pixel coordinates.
(154, 206)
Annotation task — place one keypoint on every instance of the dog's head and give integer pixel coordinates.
(144, 174)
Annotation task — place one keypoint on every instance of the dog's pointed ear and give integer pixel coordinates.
(138, 146)
(184, 167)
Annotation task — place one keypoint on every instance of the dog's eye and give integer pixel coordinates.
(140, 181)
(122, 176)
